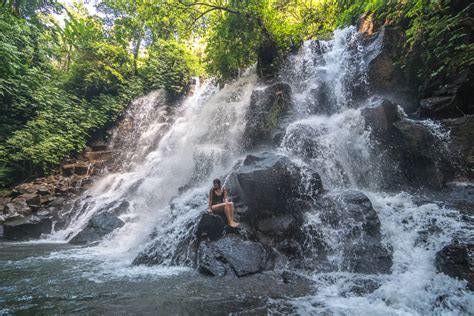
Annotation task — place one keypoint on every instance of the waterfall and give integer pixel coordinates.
(205, 136)
(169, 171)
(329, 134)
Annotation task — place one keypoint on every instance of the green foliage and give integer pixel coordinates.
(63, 126)
(61, 82)
(169, 65)
(27, 8)
(93, 62)
(232, 45)
(439, 32)
(355, 9)
(58, 84)
(20, 73)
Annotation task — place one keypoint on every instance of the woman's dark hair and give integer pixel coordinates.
(217, 181)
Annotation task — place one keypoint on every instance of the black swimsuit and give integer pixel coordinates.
(217, 199)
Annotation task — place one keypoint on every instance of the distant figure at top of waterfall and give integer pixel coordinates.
(219, 203)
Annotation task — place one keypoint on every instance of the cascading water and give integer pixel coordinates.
(161, 188)
(203, 139)
(145, 122)
(329, 81)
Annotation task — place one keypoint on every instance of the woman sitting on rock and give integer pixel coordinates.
(218, 202)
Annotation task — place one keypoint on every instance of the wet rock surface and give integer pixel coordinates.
(211, 226)
(275, 234)
(457, 261)
(36, 206)
(98, 226)
(420, 154)
(266, 109)
(423, 159)
(380, 116)
(411, 154)
(385, 77)
(232, 255)
(349, 221)
(461, 145)
(103, 222)
(269, 184)
(31, 227)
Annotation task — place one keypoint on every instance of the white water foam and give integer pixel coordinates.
(338, 145)
(207, 130)
(414, 287)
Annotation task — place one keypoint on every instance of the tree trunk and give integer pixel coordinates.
(136, 52)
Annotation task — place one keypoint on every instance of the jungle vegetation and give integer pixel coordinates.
(66, 71)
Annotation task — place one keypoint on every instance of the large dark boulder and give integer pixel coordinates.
(270, 185)
(284, 226)
(30, 227)
(411, 154)
(457, 261)
(380, 116)
(233, 255)
(104, 221)
(211, 226)
(266, 109)
(282, 233)
(189, 238)
(98, 226)
(420, 154)
(270, 194)
(347, 230)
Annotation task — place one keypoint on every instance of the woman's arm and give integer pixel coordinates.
(210, 201)
(225, 195)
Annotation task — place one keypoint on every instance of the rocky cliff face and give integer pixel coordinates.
(31, 209)
(447, 100)
(441, 97)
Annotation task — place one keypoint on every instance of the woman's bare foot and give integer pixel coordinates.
(234, 224)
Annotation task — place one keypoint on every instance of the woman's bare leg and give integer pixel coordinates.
(231, 206)
(230, 219)
(222, 207)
